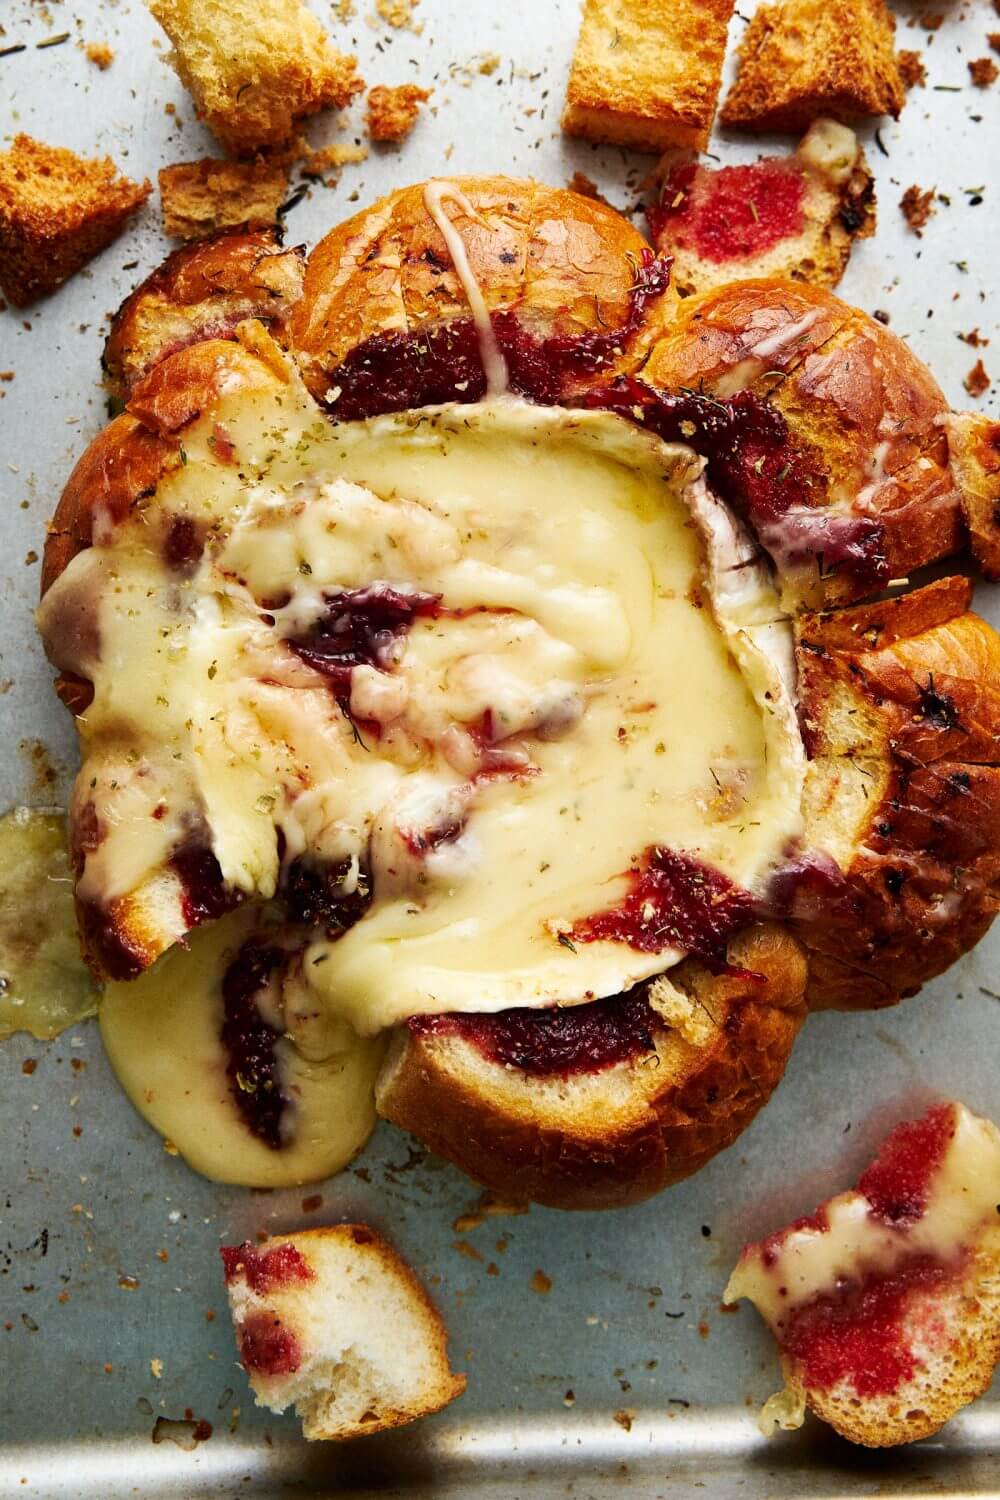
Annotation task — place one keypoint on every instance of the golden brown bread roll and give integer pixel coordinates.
(819, 428)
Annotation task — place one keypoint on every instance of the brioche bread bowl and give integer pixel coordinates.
(480, 428)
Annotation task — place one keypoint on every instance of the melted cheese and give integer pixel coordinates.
(494, 364)
(811, 1262)
(44, 986)
(162, 1036)
(599, 604)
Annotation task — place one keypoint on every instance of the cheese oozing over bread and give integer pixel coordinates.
(593, 663)
(163, 1036)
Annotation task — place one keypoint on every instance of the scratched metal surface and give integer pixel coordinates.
(625, 1377)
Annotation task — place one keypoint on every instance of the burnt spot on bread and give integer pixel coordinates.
(937, 707)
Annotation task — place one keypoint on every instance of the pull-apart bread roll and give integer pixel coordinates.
(431, 620)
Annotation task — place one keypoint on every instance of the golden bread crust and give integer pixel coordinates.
(565, 264)
(901, 708)
(861, 408)
(974, 449)
(202, 291)
(605, 1139)
(803, 58)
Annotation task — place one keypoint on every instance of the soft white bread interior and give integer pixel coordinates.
(333, 1321)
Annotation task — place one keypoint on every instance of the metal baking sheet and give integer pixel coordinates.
(625, 1377)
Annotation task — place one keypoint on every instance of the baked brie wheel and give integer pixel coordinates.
(501, 702)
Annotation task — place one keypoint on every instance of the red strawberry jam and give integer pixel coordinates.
(425, 367)
(732, 212)
(559, 1041)
(753, 467)
(250, 1042)
(674, 901)
(361, 626)
(858, 1333)
(282, 1265)
(267, 1347)
(898, 1182)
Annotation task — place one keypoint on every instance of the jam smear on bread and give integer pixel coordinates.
(738, 211)
(264, 1271)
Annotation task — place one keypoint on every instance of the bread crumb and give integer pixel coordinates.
(541, 1283)
(586, 187)
(200, 197)
(973, 338)
(625, 1417)
(392, 112)
(399, 13)
(983, 72)
(344, 9)
(994, 40)
(932, 20)
(330, 159)
(156, 1368)
(100, 54)
(977, 382)
(491, 61)
(911, 69)
(464, 1248)
(917, 208)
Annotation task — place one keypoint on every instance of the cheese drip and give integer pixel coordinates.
(604, 669)
(494, 364)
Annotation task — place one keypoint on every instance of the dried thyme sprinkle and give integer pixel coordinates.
(17, 47)
(53, 41)
(566, 942)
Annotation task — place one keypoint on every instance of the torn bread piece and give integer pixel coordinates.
(57, 211)
(255, 67)
(801, 59)
(646, 73)
(200, 197)
(333, 1321)
(885, 1303)
(796, 216)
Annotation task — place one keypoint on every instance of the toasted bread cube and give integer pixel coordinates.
(199, 197)
(57, 210)
(333, 1321)
(392, 112)
(646, 73)
(255, 67)
(804, 58)
(974, 454)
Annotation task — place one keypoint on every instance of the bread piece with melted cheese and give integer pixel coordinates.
(255, 67)
(334, 1322)
(791, 216)
(885, 1303)
(801, 59)
(646, 73)
(604, 1136)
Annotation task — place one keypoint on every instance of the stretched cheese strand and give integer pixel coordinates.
(494, 364)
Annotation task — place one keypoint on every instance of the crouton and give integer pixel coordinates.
(57, 211)
(646, 73)
(392, 112)
(805, 58)
(199, 197)
(255, 67)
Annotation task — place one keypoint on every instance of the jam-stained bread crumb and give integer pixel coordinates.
(983, 72)
(646, 73)
(100, 54)
(977, 382)
(392, 112)
(255, 67)
(200, 197)
(911, 69)
(917, 206)
(57, 211)
(803, 58)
